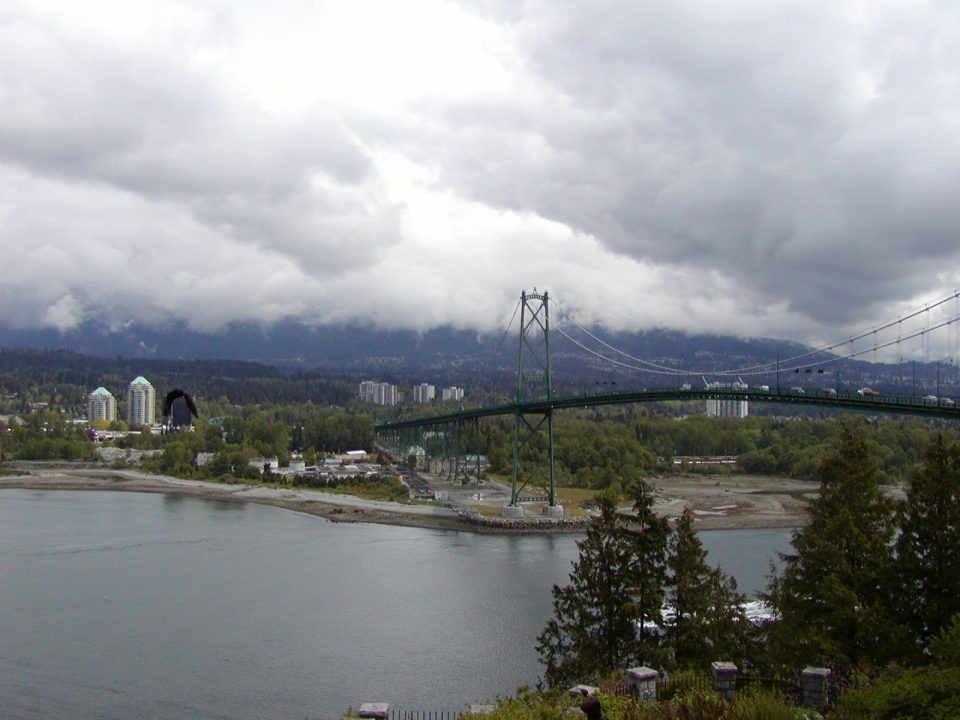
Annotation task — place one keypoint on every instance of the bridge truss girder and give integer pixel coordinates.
(449, 448)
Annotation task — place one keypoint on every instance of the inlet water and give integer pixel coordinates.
(121, 605)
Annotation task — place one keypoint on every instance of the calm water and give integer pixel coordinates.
(125, 605)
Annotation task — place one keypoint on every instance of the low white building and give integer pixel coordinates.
(727, 406)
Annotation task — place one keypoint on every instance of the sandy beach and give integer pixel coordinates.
(734, 501)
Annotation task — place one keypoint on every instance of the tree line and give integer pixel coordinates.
(598, 450)
(871, 586)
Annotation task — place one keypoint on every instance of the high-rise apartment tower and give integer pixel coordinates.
(101, 405)
(141, 403)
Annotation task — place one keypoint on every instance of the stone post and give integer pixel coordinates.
(813, 683)
(377, 711)
(480, 709)
(724, 679)
(642, 682)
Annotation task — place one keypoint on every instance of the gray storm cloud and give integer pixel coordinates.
(752, 168)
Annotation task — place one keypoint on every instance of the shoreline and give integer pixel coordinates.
(330, 506)
(753, 509)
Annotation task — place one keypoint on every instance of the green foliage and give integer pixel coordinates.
(372, 488)
(648, 538)
(833, 595)
(592, 631)
(622, 575)
(708, 623)
(945, 647)
(919, 694)
(687, 563)
(695, 705)
(46, 436)
(66, 378)
(928, 550)
(602, 450)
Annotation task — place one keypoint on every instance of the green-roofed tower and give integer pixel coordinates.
(101, 405)
(141, 403)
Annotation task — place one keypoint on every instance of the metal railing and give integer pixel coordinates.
(401, 714)
(673, 686)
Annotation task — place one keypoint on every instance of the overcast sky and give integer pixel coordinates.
(783, 169)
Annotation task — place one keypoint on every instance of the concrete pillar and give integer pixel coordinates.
(583, 691)
(378, 711)
(724, 679)
(553, 511)
(642, 682)
(813, 684)
(513, 511)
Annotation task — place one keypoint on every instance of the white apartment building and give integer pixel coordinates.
(424, 393)
(141, 403)
(379, 393)
(453, 393)
(366, 390)
(101, 405)
(727, 407)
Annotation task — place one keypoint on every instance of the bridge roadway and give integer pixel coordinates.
(893, 404)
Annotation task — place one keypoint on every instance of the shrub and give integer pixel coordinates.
(923, 694)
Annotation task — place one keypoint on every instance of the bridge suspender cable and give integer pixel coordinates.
(765, 368)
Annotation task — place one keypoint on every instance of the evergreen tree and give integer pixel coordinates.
(688, 594)
(648, 569)
(593, 629)
(834, 594)
(725, 630)
(928, 549)
(709, 622)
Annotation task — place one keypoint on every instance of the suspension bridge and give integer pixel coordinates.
(456, 435)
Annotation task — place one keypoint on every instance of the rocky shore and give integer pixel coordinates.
(737, 502)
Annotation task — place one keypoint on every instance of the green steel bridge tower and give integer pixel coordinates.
(534, 384)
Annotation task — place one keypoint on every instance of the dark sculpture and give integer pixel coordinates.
(173, 418)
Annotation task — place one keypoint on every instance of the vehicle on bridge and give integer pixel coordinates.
(867, 392)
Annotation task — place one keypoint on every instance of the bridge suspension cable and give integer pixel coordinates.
(791, 362)
(506, 330)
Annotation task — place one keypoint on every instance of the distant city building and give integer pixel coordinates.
(453, 393)
(366, 390)
(101, 405)
(424, 393)
(379, 393)
(727, 407)
(141, 403)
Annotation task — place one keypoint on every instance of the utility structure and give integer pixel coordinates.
(534, 385)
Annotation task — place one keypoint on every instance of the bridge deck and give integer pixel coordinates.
(893, 404)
